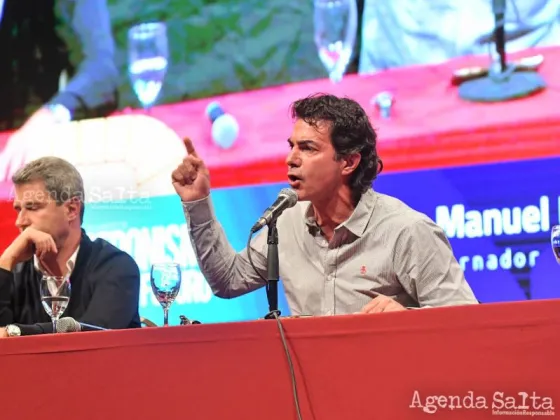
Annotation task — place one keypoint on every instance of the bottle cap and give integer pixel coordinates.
(214, 110)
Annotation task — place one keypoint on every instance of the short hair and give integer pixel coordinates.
(350, 131)
(62, 180)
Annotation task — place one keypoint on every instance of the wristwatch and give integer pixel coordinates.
(13, 330)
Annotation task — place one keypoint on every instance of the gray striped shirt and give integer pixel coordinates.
(385, 247)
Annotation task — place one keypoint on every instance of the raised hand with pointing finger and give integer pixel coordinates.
(191, 179)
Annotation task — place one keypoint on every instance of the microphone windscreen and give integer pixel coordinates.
(64, 325)
(291, 196)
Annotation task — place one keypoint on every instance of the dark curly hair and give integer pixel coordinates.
(351, 132)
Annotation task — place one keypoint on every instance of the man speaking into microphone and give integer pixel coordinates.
(343, 248)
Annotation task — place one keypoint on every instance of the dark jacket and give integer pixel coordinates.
(105, 290)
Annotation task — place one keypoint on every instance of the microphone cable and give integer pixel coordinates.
(282, 334)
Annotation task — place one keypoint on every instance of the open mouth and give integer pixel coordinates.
(293, 178)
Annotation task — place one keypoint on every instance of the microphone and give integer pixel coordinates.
(67, 324)
(286, 198)
(503, 81)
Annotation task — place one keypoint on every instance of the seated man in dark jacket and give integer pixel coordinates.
(105, 281)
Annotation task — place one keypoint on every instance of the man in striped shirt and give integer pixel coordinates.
(343, 248)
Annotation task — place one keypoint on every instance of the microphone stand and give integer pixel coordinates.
(272, 270)
(505, 81)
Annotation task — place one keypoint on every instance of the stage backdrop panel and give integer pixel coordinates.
(499, 234)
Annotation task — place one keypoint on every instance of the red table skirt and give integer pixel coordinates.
(503, 357)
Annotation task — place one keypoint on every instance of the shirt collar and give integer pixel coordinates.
(70, 264)
(358, 220)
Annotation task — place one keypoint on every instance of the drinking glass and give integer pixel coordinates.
(335, 26)
(165, 279)
(147, 60)
(555, 242)
(55, 296)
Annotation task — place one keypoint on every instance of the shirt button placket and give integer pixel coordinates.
(329, 289)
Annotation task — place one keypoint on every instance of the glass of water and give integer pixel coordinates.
(55, 296)
(165, 279)
(147, 60)
(555, 241)
(335, 25)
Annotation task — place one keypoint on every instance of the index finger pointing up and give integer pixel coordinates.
(189, 146)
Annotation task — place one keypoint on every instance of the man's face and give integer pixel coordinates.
(313, 171)
(36, 208)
